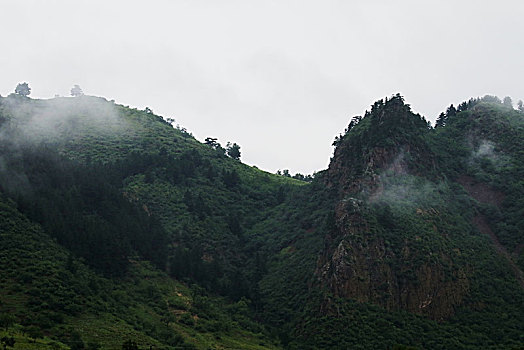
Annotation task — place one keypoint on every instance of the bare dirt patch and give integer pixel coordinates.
(480, 222)
(485, 194)
(482, 192)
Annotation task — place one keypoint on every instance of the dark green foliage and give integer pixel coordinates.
(43, 270)
(441, 120)
(484, 143)
(233, 150)
(83, 207)
(212, 142)
(392, 129)
(247, 244)
(231, 178)
(129, 345)
(8, 342)
(93, 346)
(34, 332)
(23, 89)
(6, 320)
(284, 173)
(451, 111)
(392, 121)
(90, 205)
(74, 340)
(301, 177)
(437, 158)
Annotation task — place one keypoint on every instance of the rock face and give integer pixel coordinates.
(358, 261)
(367, 270)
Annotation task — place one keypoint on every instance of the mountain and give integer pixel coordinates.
(425, 222)
(119, 228)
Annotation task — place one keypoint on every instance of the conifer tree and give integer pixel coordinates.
(441, 120)
(23, 89)
(233, 150)
(76, 91)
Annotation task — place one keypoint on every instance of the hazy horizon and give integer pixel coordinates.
(280, 78)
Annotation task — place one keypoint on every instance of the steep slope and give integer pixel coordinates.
(411, 237)
(77, 168)
(50, 293)
(481, 149)
(386, 248)
(407, 237)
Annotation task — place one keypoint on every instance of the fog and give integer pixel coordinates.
(35, 124)
(59, 119)
(280, 78)
(396, 187)
(486, 150)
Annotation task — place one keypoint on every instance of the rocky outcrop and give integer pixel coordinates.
(481, 191)
(363, 268)
(485, 194)
(358, 262)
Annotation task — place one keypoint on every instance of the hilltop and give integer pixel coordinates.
(117, 226)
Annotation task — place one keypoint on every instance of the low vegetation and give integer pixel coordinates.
(120, 231)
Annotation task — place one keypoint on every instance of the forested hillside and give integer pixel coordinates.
(118, 228)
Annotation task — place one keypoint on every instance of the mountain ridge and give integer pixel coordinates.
(391, 238)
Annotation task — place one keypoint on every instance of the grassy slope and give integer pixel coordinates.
(39, 288)
(433, 215)
(283, 225)
(132, 312)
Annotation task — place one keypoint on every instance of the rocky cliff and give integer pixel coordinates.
(384, 247)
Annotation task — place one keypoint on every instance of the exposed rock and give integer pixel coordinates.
(366, 270)
(357, 262)
(481, 191)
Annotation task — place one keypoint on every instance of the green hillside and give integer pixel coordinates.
(118, 227)
(78, 186)
(420, 221)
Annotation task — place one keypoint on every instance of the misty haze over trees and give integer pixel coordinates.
(121, 230)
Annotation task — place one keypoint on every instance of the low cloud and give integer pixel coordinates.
(486, 150)
(406, 190)
(59, 119)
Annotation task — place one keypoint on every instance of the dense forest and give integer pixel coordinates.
(120, 231)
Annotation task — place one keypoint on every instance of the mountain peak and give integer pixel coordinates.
(389, 136)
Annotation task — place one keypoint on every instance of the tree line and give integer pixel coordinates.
(23, 89)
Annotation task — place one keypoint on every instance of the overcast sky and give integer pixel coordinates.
(280, 78)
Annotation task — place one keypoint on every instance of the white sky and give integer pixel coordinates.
(280, 78)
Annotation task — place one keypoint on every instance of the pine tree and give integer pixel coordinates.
(233, 150)
(23, 89)
(441, 120)
(76, 91)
